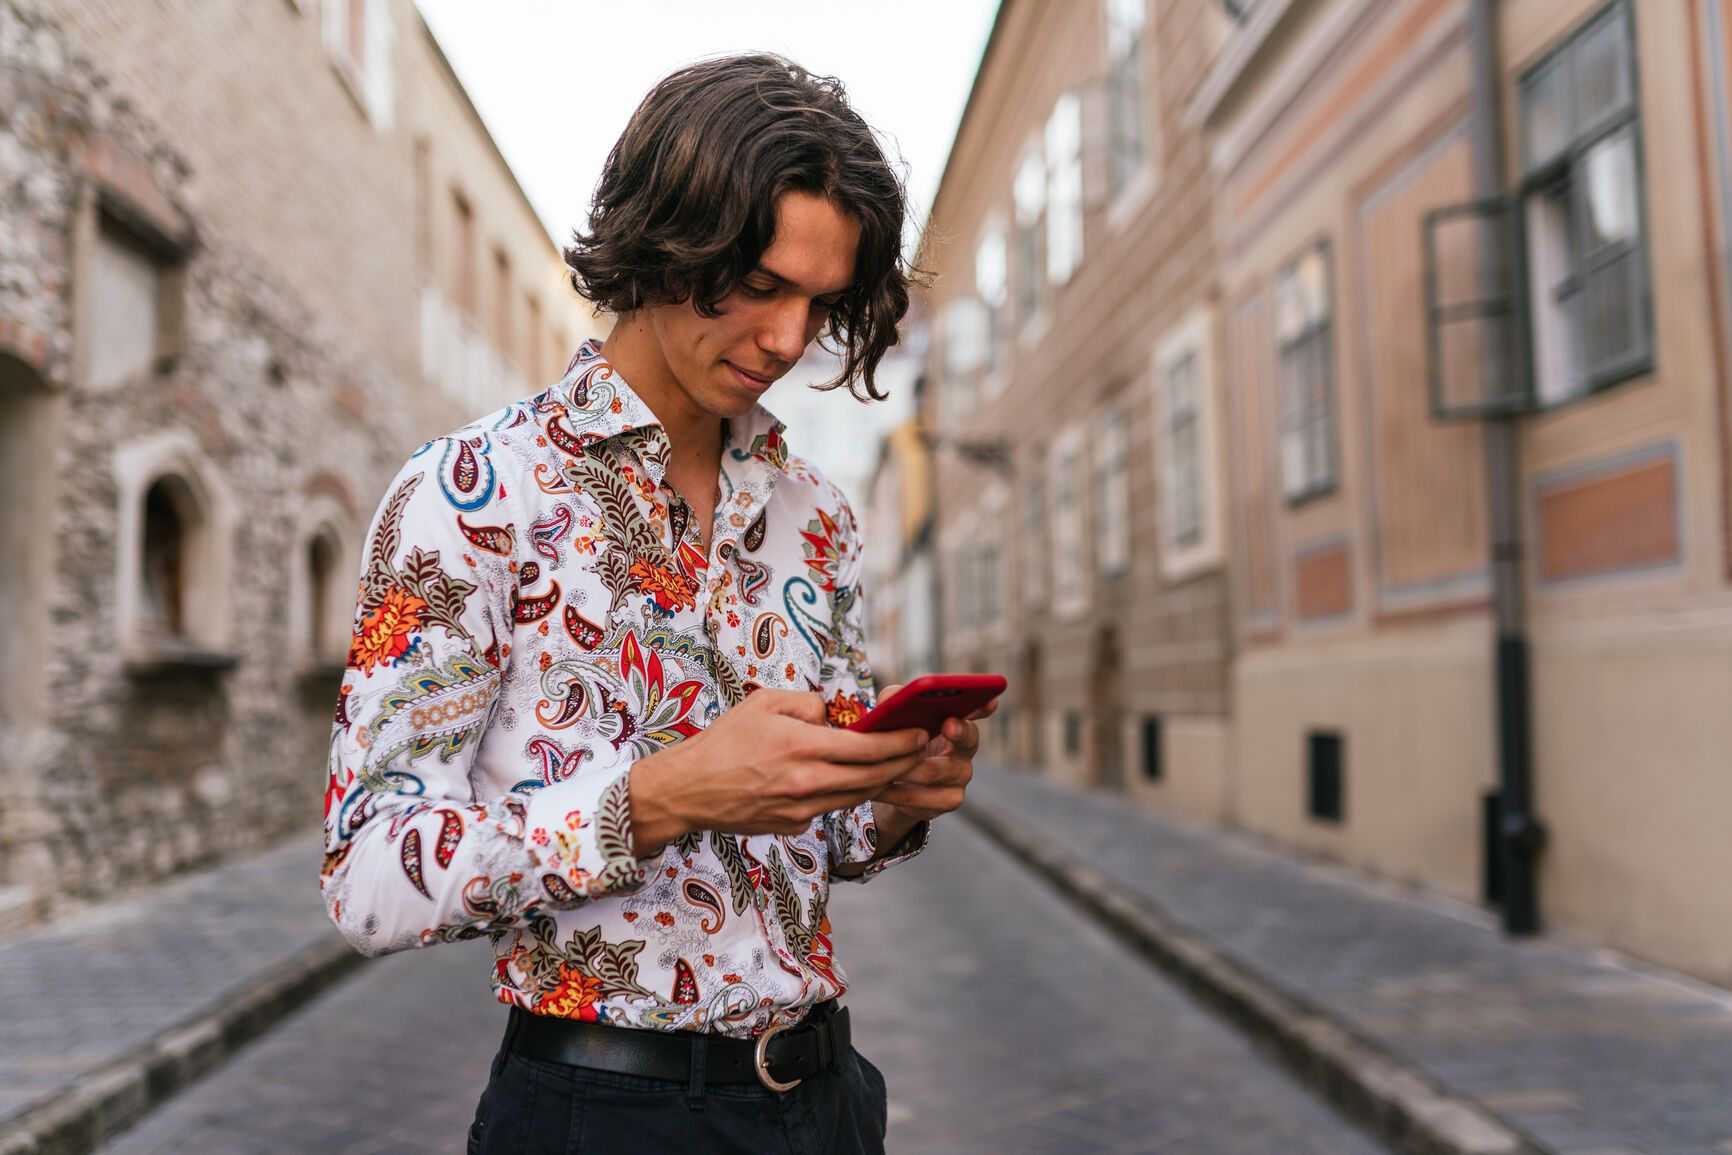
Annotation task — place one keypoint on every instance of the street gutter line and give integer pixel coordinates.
(1391, 1100)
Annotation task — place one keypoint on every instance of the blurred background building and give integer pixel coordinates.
(1073, 410)
(1266, 333)
(250, 260)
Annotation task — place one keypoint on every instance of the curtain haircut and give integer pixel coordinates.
(686, 204)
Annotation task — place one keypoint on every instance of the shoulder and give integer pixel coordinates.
(480, 466)
(484, 461)
(823, 495)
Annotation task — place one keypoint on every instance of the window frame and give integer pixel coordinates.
(1126, 82)
(1315, 332)
(1566, 166)
(1028, 251)
(1036, 592)
(1111, 497)
(1068, 485)
(1062, 173)
(997, 302)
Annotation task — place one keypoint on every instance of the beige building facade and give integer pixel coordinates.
(1341, 136)
(1073, 398)
(236, 299)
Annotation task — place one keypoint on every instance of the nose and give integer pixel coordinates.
(784, 331)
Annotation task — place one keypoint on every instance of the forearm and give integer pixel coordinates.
(655, 822)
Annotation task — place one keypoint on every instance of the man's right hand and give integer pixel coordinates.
(768, 766)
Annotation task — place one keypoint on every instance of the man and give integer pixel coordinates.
(606, 641)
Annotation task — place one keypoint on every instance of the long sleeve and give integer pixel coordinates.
(414, 853)
(849, 691)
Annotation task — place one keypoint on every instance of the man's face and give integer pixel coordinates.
(724, 364)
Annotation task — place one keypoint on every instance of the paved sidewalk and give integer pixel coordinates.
(108, 1010)
(1576, 1051)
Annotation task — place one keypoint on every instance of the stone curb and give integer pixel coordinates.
(1395, 1102)
(76, 1120)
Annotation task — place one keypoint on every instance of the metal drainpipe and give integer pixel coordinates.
(1521, 834)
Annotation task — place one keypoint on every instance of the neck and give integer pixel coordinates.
(635, 354)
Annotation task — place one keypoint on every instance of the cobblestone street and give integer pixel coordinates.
(1003, 1021)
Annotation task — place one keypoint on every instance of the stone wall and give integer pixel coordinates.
(113, 771)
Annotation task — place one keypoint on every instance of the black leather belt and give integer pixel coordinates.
(779, 1059)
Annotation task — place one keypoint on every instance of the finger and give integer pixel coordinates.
(858, 746)
(816, 779)
(985, 711)
(887, 691)
(941, 799)
(938, 772)
(965, 736)
(843, 800)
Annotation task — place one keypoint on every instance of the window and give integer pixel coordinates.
(1185, 468)
(962, 584)
(462, 253)
(503, 291)
(532, 340)
(1034, 543)
(358, 35)
(990, 556)
(424, 266)
(992, 284)
(1326, 772)
(125, 290)
(1152, 763)
(170, 514)
(1072, 733)
(1125, 104)
(137, 289)
(1064, 189)
(1112, 496)
(1541, 296)
(989, 580)
(323, 614)
(1586, 241)
(965, 348)
(1065, 534)
(173, 546)
(1029, 195)
(1302, 324)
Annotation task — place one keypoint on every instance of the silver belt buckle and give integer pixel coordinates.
(761, 1055)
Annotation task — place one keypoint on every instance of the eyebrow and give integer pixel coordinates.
(767, 271)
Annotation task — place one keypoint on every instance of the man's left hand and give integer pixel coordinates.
(937, 785)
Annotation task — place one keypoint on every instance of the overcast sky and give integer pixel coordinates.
(556, 80)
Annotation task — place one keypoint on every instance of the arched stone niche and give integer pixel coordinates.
(178, 614)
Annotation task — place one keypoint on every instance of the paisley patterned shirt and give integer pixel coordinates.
(536, 614)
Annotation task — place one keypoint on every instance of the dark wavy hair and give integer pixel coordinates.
(686, 204)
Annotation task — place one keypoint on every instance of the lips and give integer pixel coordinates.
(755, 381)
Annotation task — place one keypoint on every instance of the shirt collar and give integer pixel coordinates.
(599, 404)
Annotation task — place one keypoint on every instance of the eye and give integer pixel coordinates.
(756, 292)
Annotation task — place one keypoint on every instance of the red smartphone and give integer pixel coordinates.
(928, 700)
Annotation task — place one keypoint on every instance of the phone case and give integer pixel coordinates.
(928, 700)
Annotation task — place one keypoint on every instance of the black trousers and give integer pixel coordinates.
(535, 1107)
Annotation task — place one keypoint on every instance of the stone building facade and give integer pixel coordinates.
(1073, 398)
(212, 358)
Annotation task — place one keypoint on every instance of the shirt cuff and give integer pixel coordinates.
(580, 841)
(855, 836)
